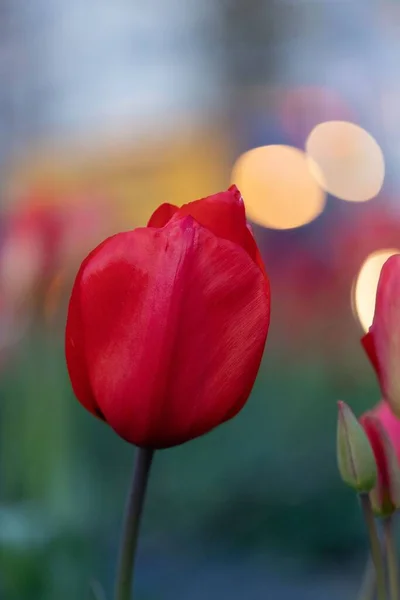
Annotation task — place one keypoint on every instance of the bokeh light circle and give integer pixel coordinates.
(279, 187)
(349, 158)
(365, 286)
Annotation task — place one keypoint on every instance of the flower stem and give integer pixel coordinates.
(368, 587)
(390, 544)
(376, 550)
(134, 509)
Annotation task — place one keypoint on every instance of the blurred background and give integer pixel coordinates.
(108, 108)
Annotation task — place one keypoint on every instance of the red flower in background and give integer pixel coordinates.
(359, 235)
(43, 240)
(382, 342)
(30, 249)
(167, 324)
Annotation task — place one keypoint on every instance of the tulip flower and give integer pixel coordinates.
(382, 342)
(167, 324)
(385, 496)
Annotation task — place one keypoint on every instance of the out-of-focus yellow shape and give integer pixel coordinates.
(366, 284)
(133, 175)
(278, 187)
(349, 158)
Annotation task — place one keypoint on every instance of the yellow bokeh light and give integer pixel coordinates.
(349, 158)
(365, 286)
(279, 188)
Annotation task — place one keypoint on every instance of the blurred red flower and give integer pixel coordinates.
(358, 235)
(167, 324)
(43, 240)
(29, 250)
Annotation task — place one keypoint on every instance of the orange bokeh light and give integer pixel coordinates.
(349, 158)
(279, 188)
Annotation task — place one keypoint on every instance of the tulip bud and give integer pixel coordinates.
(355, 457)
(385, 497)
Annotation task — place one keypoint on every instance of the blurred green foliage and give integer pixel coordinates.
(267, 481)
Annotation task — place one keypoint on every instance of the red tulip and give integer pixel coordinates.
(379, 426)
(167, 324)
(382, 342)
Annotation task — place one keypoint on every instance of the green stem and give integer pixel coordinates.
(368, 587)
(134, 509)
(390, 544)
(376, 550)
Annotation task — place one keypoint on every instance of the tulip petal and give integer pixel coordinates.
(385, 331)
(225, 216)
(175, 322)
(75, 348)
(367, 342)
(390, 423)
(162, 215)
(377, 438)
(386, 495)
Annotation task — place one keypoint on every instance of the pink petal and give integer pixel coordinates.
(385, 331)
